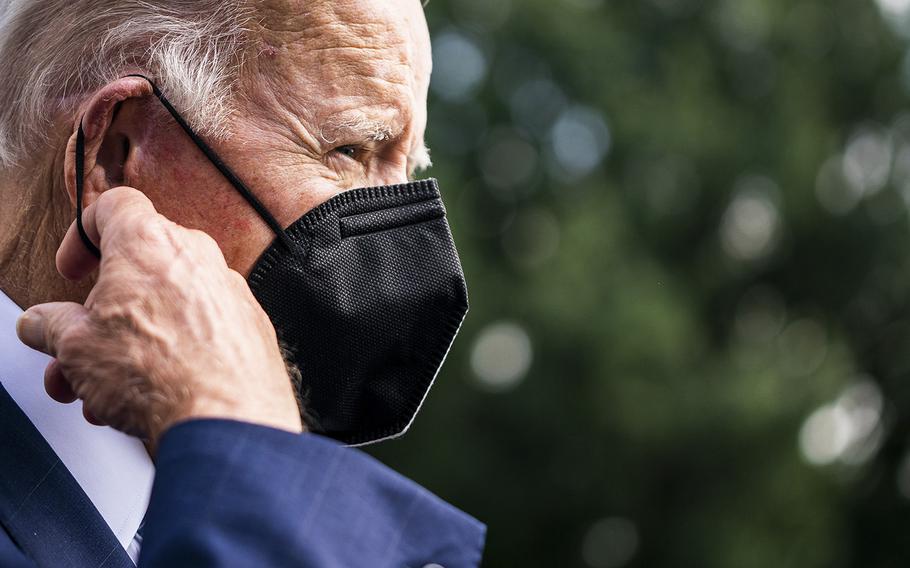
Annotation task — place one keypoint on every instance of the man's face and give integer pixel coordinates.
(333, 97)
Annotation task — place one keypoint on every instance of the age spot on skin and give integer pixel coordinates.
(242, 224)
(268, 50)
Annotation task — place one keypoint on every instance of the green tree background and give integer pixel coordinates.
(684, 225)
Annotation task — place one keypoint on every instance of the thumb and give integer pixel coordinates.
(41, 326)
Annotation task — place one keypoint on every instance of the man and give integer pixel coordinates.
(306, 99)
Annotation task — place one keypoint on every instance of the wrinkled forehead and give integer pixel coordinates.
(338, 58)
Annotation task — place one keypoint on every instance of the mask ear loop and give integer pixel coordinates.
(203, 147)
(80, 189)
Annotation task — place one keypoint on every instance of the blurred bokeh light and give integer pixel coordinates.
(684, 225)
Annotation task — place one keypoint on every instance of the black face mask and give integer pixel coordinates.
(366, 293)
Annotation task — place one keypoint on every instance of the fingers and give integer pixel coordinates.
(91, 418)
(56, 385)
(117, 206)
(74, 260)
(45, 320)
(120, 207)
(42, 326)
(59, 389)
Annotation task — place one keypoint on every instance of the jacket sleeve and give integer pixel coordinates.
(234, 494)
(10, 555)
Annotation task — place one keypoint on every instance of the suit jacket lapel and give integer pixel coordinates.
(42, 506)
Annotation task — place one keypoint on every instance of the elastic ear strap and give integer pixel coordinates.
(221, 166)
(80, 189)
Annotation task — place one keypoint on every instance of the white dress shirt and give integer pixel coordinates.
(113, 469)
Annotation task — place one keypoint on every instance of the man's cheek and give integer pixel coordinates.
(209, 204)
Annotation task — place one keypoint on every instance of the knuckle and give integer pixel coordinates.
(69, 341)
(106, 200)
(205, 243)
(239, 285)
(125, 197)
(236, 278)
(150, 230)
(114, 200)
(147, 227)
(203, 238)
(122, 206)
(110, 319)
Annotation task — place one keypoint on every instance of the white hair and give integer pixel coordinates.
(53, 53)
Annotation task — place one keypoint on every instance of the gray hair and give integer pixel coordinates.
(54, 52)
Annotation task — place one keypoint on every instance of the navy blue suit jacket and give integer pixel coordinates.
(232, 494)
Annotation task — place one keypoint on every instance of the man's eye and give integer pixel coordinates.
(349, 151)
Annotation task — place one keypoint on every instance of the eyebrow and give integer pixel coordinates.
(358, 128)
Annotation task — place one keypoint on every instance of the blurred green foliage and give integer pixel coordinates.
(684, 226)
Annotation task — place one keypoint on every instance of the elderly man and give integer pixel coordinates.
(225, 294)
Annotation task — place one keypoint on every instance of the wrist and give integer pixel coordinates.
(286, 417)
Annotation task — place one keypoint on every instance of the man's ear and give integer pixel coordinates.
(109, 137)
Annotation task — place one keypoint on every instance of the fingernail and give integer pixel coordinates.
(30, 329)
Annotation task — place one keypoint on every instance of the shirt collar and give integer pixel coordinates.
(112, 468)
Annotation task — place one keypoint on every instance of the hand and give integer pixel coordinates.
(168, 333)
